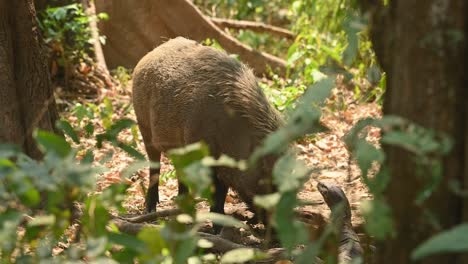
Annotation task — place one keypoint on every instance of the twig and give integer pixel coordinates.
(155, 215)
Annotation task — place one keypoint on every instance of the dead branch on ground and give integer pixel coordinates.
(152, 216)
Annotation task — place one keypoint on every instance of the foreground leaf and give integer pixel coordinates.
(454, 240)
(50, 142)
(240, 255)
(220, 219)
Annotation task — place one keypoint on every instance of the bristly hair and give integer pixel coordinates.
(241, 91)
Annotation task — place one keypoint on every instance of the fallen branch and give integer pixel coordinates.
(151, 216)
(220, 245)
(130, 228)
(253, 26)
(155, 215)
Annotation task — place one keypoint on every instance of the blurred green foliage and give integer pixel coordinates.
(66, 31)
(331, 39)
(50, 211)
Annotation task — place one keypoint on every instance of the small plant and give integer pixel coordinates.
(86, 128)
(66, 31)
(167, 175)
(122, 74)
(68, 36)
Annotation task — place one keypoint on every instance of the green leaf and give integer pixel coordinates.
(351, 51)
(220, 219)
(184, 219)
(127, 241)
(10, 216)
(88, 157)
(268, 201)
(374, 75)
(68, 130)
(96, 246)
(50, 142)
(60, 13)
(289, 173)
(274, 143)
(224, 161)
(89, 128)
(6, 166)
(203, 243)
(352, 26)
(104, 260)
(131, 151)
(153, 240)
(366, 154)
(454, 240)
(304, 119)
(96, 216)
(43, 220)
(118, 126)
(9, 222)
(319, 91)
(240, 255)
(290, 231)
(182, 157)
(133, 167)
(185, 249)
(310, 253)
(103, 16)
(294, 57)
(9, 150)
(198, 178)
(28, 194)
(378, 218)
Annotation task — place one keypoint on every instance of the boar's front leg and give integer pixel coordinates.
(219, 199)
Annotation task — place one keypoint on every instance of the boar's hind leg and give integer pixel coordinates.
(152, 196)
(154, 155)
(183, 189)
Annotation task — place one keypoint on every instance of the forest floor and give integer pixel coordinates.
(325, 151)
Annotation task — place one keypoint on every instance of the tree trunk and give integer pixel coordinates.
(90, 9)
(42, 4)
(422, 46)
(137, 27)
(26, 97)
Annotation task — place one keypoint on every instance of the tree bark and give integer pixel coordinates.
(90, 9)
(422, 46)
(26, 97)
(42, 4)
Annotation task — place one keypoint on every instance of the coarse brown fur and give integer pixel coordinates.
(184, 92)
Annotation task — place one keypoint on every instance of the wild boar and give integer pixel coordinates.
(184, 92)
